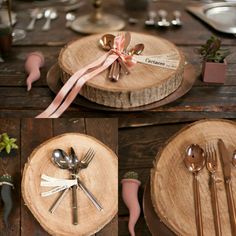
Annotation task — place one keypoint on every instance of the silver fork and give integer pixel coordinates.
(82, 165)
(211, 163)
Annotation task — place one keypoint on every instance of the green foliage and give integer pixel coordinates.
(7, 143)
(131, 175)
(212, 51)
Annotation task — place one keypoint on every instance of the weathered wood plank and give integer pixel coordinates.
(104, 130)
(140, 229)
(34, 132)
(62, 125)
(10, 163)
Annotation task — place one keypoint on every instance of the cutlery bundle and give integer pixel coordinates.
(195, 161)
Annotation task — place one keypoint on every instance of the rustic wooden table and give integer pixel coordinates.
(204, 100)
(32, 132)
(139, 139)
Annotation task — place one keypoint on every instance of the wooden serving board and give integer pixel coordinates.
(172, 183)
(100, 178)
(144, 85)
(55, 84)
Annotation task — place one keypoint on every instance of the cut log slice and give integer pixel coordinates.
(172, 184)
(144, 85)
(100, 177)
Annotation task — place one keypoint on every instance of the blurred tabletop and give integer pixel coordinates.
(203, 100)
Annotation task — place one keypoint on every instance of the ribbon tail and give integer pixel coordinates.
(74, 92)
(68, 85)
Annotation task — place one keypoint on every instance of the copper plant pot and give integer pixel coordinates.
(214, 72)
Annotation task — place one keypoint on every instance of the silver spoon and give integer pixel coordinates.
(36, 14)
(176, 21)
(49, 14)
(163, 22)
(70, 17)
(152, 16)
(61, 159)
(64, 161)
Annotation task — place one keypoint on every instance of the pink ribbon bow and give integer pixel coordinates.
(71, 88)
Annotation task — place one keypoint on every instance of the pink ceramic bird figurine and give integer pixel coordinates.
(34, 61)
(130, 186)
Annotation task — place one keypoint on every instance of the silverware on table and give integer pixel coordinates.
(194, 162)
(152, 18)
(226, 162)
(70, 17)
(211, 164)
(176, 21)
(61, 159)
(82, 165)
(36, 14)
(163, 22)
(74, 187)
(49, 14)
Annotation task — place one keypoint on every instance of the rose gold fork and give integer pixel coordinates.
(211, 163)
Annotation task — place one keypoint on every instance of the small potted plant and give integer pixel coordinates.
(213, 57)
(130, 186)
(7, 143)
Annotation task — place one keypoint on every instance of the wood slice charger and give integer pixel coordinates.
(100, 178)
(172, 184)
(144, 85)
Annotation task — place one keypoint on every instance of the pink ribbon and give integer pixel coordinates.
(71, 88)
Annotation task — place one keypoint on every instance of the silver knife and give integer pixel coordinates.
(226, 163)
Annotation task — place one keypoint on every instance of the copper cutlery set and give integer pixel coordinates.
(195, 160)
(107, 43)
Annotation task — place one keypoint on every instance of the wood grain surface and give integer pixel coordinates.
(30, 133)
(54, 83)
(170, 175)
(144, 85)
(204, 100)
(101, 174)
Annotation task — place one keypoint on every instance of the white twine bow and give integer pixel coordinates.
(59, 184)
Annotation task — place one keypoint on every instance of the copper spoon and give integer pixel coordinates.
(137, 49)
(107, 42)
(115, 67)
(194, 162)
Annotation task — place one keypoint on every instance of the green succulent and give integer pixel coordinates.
(211, 51)
(7, 143)
(131, 175)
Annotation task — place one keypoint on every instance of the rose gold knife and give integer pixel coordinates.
(226, 162)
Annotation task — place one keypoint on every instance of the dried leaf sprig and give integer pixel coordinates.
(7, 143)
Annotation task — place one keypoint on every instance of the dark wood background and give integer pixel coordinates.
(32, 132)
(204, 100)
